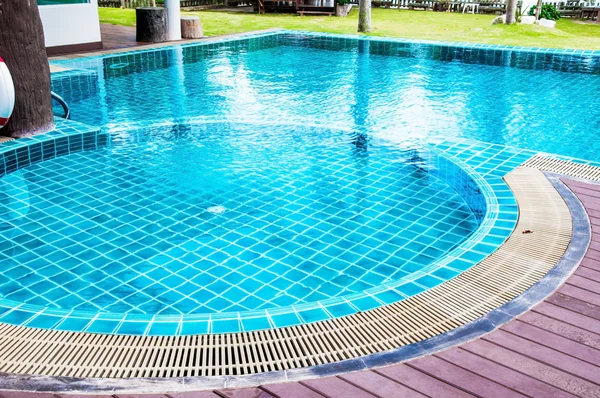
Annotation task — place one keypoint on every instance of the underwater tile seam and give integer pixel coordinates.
(496, 227)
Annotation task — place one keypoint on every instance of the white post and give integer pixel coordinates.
(173, 19)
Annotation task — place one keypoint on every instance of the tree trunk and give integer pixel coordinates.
(511, 12)
(538, 10)
(24, 52)
(364, 16)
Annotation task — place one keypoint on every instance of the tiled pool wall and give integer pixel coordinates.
(563, 60)
(467, 184)
(68, 137)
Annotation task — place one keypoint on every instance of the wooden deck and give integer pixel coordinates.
(550, 351)
(115, 36)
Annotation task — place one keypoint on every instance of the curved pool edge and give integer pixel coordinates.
(530, 185)
(451, 170)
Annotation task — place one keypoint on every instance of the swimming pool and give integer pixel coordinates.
(271, 181)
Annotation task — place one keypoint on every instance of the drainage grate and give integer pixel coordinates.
(512, 269)
(584, 171)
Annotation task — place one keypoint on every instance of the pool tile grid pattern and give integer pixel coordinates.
(498, 223)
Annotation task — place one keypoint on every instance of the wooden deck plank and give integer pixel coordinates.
(588, 273)
(581, 294)
(244, 393)
(590, 263)
(417, 380)
(546, 355)
(587, 193)
(334, 387)
(562, 329)
(114, 36)
(554, 341)
(194, 394)
(576, 185)
(593, 254)
(457, 376)
(381, 386)
(590, 202)
(584, 283)
(581, 321)
(533, 368)
(501, 374)
(136, 396)
(576, 305)
(592, 213)
(75, 396)
(595, 245)
(291, 390)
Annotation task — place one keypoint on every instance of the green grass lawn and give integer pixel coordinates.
(394, 23)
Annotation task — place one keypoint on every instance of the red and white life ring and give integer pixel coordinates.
(7, 94)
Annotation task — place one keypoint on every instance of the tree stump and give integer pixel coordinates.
(151, 24)
(191, 28)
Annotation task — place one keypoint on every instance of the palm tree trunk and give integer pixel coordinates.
(511, 11)
(24, 52)
(538, 10)
(364, 16)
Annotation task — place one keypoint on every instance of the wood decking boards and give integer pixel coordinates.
(551, 351)
(114, 36)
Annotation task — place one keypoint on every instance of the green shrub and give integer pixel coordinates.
(548, 12)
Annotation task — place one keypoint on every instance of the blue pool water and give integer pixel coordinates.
(275, 180)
